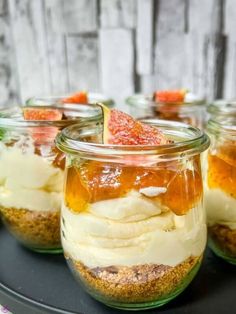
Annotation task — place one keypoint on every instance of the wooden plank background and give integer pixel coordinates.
(116, 46)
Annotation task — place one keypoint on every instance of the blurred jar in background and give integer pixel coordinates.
(31, 171)
(175, 105)
(222, 108)
(81, 97)
(220, 192)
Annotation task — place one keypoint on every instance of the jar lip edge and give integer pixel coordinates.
(66, 144)
(93, 95)
(222, 106)
(212, 123)
(144, 99)
(16, 122)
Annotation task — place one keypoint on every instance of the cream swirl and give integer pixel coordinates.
(132, 230)
(28, 181)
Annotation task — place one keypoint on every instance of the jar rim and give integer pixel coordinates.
(142, 100)
(12, 116)
(222, 106)
(93, 97)
(220, 125)
(196, 142)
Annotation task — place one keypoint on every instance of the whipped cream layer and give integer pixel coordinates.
(220, 208)
(28, 181)
(132, 230)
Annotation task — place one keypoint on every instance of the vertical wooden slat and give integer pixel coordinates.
(4, 66)
(219, 44)
(230, 59)
(117, 58)
(229, 17)
(148, 83)
(27, 24)
(5, 71)
(8, 82)
(170, 17)
(170, 63)
(229, 90)
(79, 16)
(203, 16)
(56, 47)
(74, 16)
(144, 37)
(118, 13)
(83, 62)
(205, 57)
(3, 7)
(196, 53)
(205, 24)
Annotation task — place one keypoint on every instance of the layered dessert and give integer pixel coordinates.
(79, 97)
(220, 199)
(133, 231)
(179, 105)
(175, 105)
(31, 182)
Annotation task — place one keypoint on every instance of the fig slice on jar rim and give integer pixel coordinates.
(42, 134)
(170, 96)
(119, 128)
(43, 114)
(77, 98)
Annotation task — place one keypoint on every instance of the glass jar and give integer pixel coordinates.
(53, 100)
(31, 175)
(192, 111)
(220, 191)
(222, 108)
(133, 225)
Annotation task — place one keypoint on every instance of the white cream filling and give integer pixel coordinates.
(132, 230)
(28, 181)
(220, 208)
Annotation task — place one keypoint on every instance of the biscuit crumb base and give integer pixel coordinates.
(35, 229)
(224, 238)
(141, 283)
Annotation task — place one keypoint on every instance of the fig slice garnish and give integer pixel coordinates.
(119, 128)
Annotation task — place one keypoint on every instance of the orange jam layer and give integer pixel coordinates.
(96, 181)
(222, 170)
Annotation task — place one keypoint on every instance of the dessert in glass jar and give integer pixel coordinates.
(80, 97)
(31, 172)
(222, 108)
(220, 194)
(175, 105)
(133, 225)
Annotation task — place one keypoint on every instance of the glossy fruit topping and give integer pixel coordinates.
(94, 181)
(77, 98)
(222, 169)
(121, 129)
(42, 134)
(38, 114)
(170, 96)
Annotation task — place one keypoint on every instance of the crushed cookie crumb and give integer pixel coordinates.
(138, 283)
(35, 229)
(224, 237)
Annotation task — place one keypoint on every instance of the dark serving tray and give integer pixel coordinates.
(32, 283)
